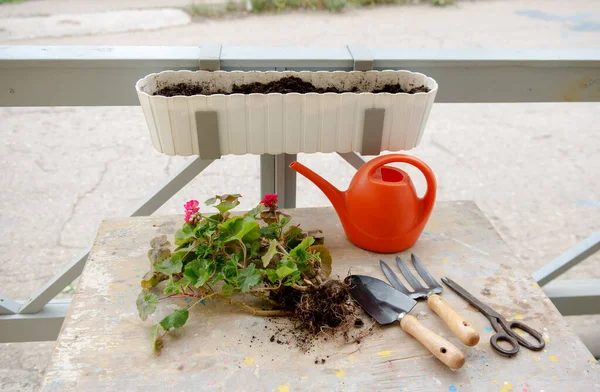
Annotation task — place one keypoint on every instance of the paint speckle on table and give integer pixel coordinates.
(554, 377)
(249, 360)
(385, 353)
(340, 373)
(546, 337)
(284, 388)
(212, 382)
(351, 357)
(535, 286)
(452, 388)
(438, 382)
(553, 358)
(506, 387)
(489, 329)
(305, 377)
(535, 357)
(518, 316)
(445, 259)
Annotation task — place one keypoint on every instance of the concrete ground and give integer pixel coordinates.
(532, 168)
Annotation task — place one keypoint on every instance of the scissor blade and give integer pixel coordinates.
(483, 308)
(393, 278)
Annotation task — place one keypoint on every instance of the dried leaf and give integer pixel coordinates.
(325, 257)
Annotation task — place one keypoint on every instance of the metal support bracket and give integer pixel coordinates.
(207, 126)
(574, 297)
(372, 131)
(363, 59)
(153, 203)
(41, 326)
(8, 306)
(568, 259)
(277, 177)
(210, 58)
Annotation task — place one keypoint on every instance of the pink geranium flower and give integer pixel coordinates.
(191, 209)
(192, 205)
(270, 200)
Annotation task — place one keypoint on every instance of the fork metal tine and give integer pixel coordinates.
(410, 278)
(427, 278)
(393, 278)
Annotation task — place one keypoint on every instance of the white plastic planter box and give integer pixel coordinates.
(286, 123)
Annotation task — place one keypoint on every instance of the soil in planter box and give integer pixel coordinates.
(396, 88)
(289, 84)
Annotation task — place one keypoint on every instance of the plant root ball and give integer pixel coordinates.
(329, 308)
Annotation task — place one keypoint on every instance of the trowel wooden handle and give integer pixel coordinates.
(457, 324)
(437, 345)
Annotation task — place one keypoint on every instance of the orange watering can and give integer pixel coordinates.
(380, 211)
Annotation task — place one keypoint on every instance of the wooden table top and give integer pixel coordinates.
(104, 345)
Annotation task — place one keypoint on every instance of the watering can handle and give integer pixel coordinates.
(429, 198)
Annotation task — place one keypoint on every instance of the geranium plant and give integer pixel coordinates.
(231, 258)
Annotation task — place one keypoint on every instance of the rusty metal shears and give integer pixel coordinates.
(504, 329)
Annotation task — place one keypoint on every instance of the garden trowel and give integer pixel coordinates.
(386, 305)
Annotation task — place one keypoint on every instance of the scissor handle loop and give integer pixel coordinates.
(509, 326)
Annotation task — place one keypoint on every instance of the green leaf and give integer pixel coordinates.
(159, 242)
(272, 275)
(176, 319)
(227, 202)
(227, 290)
(230, 270)
(186, 253)
(172, 287)
(291, 236)
(249, 277)
(256, 210)
(146, 304)
(157, 255)
(241, 228)
(169, 267)
(185, 234)
(151, 279)
(183, 283)
(254, 248)
(293, 278)
(299, 252)
(284, 221)
(226, 206)
(272, 251)
(284, 271)
(198, 272)
(157, 342)
(232, 224)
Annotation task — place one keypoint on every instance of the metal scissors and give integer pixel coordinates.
(504, 329)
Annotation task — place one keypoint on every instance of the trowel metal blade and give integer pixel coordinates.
(380, 300)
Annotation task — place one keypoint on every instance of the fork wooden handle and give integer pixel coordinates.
(458, 325)
(437, 345)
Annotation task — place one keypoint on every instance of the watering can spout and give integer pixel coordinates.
(335, 196)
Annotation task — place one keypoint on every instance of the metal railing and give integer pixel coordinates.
(105, 76)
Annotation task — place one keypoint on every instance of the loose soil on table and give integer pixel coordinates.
(289, 84)
(328, 312)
